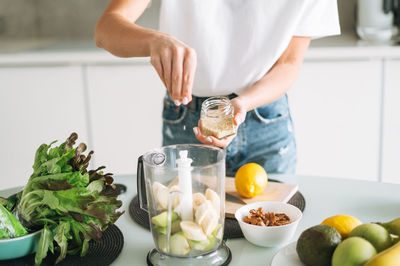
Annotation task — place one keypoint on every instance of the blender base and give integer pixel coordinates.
(222, 256)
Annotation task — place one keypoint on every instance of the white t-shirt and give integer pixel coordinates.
(238, 41)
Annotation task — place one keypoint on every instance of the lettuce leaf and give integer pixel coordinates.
(45, 244)
(71, 204)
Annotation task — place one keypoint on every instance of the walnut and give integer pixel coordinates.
(258, 217)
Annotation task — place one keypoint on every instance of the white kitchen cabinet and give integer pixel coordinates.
(37, 105)
(125, 106)
(391, 123)
(336, 112)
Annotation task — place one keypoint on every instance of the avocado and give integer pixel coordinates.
(316, 245)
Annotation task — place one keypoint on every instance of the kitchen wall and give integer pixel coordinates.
(18, 19)
(64, 19)
(76, 19)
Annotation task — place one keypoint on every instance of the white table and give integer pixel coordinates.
(368, 201)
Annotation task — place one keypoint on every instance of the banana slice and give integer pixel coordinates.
(176, 197)
(156, 187)
(174, 189)
(160, 193)
(202, 210)
(198, 199)
(212, 196)
(174, 182)
(193, 231)
(209, 223)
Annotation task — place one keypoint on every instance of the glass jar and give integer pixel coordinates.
(216, 117)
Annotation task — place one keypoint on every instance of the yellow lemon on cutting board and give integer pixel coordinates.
(251, 180)
(344, 224)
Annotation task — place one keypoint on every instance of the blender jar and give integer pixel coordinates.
(182, 188)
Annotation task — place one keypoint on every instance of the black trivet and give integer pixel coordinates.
(228, 260)
(99, 254)
(231, 228)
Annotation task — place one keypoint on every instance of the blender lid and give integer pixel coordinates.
(166, 155)
(157, 158)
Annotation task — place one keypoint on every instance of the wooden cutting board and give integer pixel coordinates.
(274, 191)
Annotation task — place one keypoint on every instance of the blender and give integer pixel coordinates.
(182, 188)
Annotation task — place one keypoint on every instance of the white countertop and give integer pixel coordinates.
(368, 201)
(37, 52)
(67, 52)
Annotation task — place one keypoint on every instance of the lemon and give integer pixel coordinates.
(344, 224)
(250, 180)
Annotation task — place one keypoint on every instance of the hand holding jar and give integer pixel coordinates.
(219, 121)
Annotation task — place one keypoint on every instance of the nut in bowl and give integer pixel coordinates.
(272, 226)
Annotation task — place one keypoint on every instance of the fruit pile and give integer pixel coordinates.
(342, 240)
(181, 237)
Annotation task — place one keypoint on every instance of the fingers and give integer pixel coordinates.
(200, 137)
(189, 69)
(222, 143)
(156, 62)
(176, 66)
(240, 111)
(166, 61)
(210, 140)
(239, 118)
(176, 75)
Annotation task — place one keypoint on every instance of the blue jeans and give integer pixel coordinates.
(266, 136)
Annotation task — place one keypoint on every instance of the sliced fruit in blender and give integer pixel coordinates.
(162, 219)
(218, 232)
(198, 199)
(210, 222)
(212, 196)
(174, 182)
(162, 243)
(161, 193)
(179, 244)
(202, 210)
(175, 197)
(192, 231)
(175, 227)
(202, 245)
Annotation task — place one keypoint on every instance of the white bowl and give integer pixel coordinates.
(269, 236)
